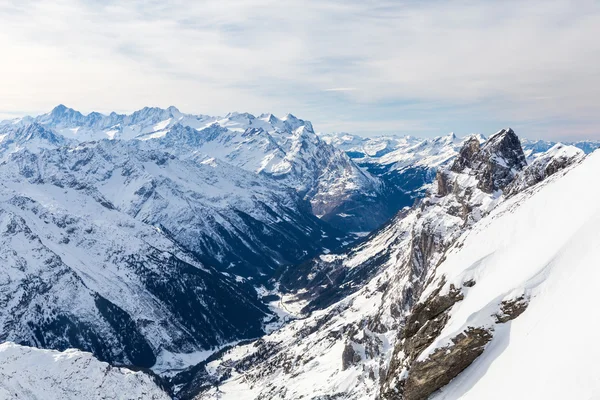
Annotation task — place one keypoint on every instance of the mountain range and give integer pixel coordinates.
(252, 257)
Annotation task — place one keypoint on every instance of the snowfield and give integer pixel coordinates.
(32, 374)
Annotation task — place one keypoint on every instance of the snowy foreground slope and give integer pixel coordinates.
(364, 331)
(540, 248)
(34, 374)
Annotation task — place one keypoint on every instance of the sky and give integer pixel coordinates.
(368, 67)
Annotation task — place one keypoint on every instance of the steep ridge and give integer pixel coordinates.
(489, 313)
(360, 299)
(29, 373)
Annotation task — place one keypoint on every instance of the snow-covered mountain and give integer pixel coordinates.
(241, 222)
(356, 309)
(29, 373)
(507, 292)
(80, 272)
(407, 165)
(532, 147)
(286, 149)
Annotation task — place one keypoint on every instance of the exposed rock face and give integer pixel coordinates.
(511, 309)
(445, 363)
(349, 356)
(500, 159)
(495, 163)
(422, 326)
(444, 187)
(467, 155)
(420, 377)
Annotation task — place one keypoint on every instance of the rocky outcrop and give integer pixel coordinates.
(422, 326)
(500, 159)
(444, 364)
(444, 187)
(494, 164)
(349, 356)
(420, 375)
(511, 309)
(467, 155)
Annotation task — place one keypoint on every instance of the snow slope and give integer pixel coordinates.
(544, 246)
(29, 374)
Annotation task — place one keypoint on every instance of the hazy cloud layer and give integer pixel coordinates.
(419, 67)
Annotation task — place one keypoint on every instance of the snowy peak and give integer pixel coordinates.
(557, 158)
(153, 115)
(467, 155)
(64, 115)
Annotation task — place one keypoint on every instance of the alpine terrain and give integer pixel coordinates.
(166, 255)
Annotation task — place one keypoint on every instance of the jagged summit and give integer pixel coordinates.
(495, 163)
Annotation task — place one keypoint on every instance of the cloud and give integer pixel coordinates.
(438, 65)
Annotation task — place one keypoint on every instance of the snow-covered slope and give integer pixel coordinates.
(241, 222)
(547, 254)
(354, 304)
(28, 374)
(517, 285)
(82, 270)
(533, 147)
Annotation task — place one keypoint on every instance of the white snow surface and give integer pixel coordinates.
(28, 373)
(541, 244)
